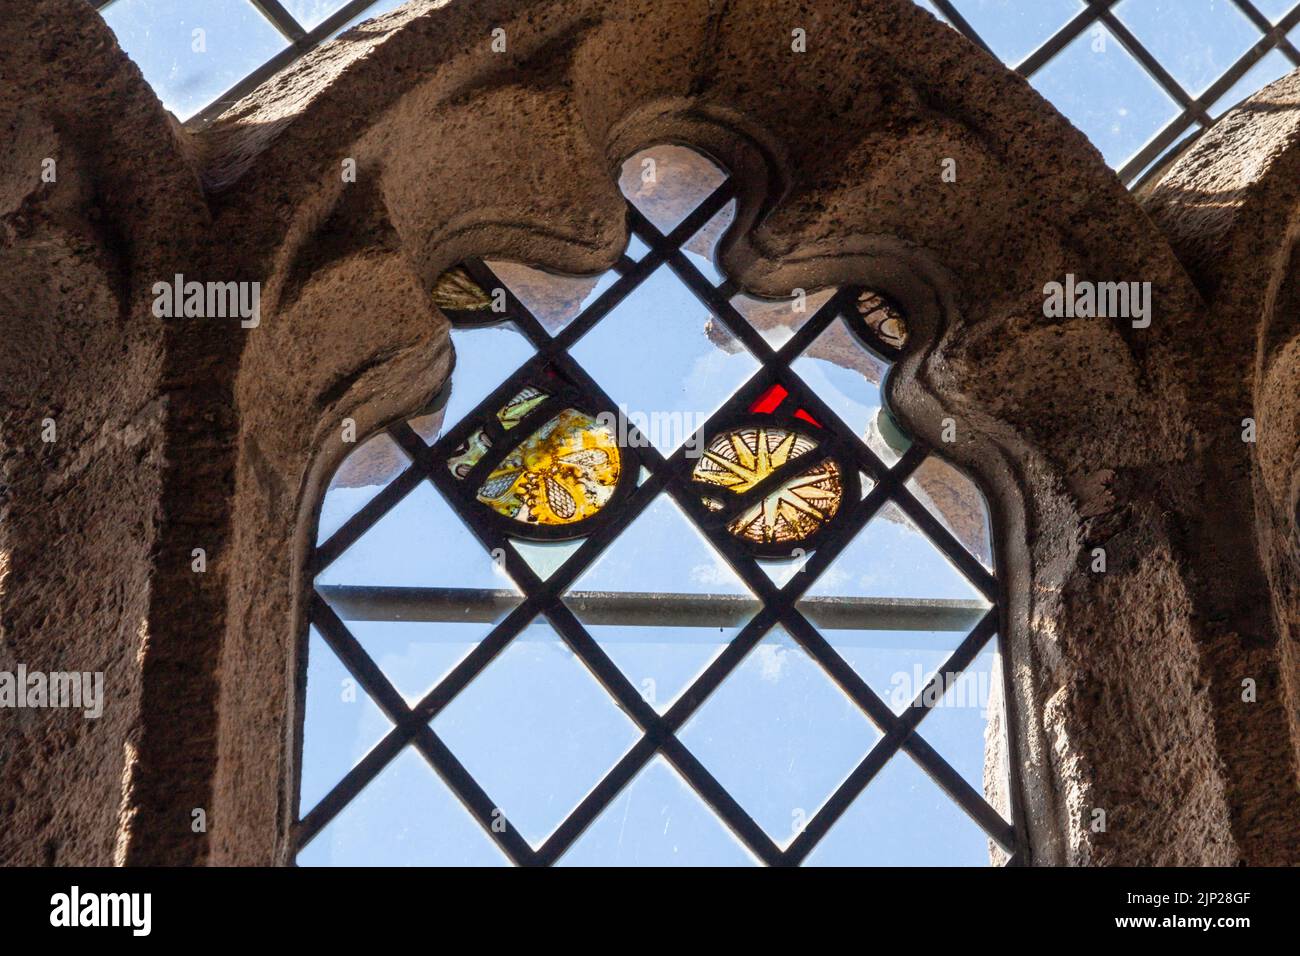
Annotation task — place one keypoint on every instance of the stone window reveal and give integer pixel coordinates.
(656, 579)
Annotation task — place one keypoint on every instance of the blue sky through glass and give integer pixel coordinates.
(1106, 93)
(189, 53)
(1016, 28)
(537, 731)
(1111, 99)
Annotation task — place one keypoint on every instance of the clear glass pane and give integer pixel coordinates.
(485, 356)
(636, 249)
(967, 727)
(777, 320)
(892, 558)
(657, 820)
(416, 655)
(667, 182)
(902, 819)
(957, 503)
(848, 377)
(702, 248)
(341, 723)
(661, 602)
(361, 476)
(536, 731)
(545, 557)
(662, 356)
(1195, 40)
(406, 816)
(1013, 29)
(419, 543)
(1106, 93)
(1169, 151)
(897, 664)
(555, 300)
(192, 53)
(1275, 10)
(779, 735)
(312, 13)
(429, 425)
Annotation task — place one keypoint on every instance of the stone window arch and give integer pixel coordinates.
(887, 153)
(657, 544)
(850, 196)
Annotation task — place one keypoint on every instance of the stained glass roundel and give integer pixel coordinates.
(879, 323)
(561, 474)
(789, 511)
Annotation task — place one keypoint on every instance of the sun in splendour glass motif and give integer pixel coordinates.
(795, 509)
(564, 472)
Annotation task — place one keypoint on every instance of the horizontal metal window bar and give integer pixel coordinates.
(647, 609)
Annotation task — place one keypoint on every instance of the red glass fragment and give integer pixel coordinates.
(769, 400)
(806, 417)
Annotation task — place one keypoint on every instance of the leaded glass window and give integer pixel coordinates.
(1140, 78)
(657, 579)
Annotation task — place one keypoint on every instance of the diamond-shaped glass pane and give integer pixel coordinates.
(892, 558)
(636, 249)
(667, 182)
(555, 300)
(406, 816)
(418, 591)
(1195, 40)
(1013, 29)
(361, 476)
(661, 354)
(192, 53)
(416, 655)
(422, 543)
(903, 819)
(702, 248)
(957, 503)
(779, 735)
(545, 557)
(485, 355)
(777, 320)
(536, 731)
(895, 663)
(1106, 93)
(848, 377)
(341, 723)
(966, 727)
(658, 820)
(661, 602)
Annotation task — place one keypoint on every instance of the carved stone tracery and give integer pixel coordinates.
(1087, 432)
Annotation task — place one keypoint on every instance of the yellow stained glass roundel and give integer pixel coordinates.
(797, 508)
(563, 473)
